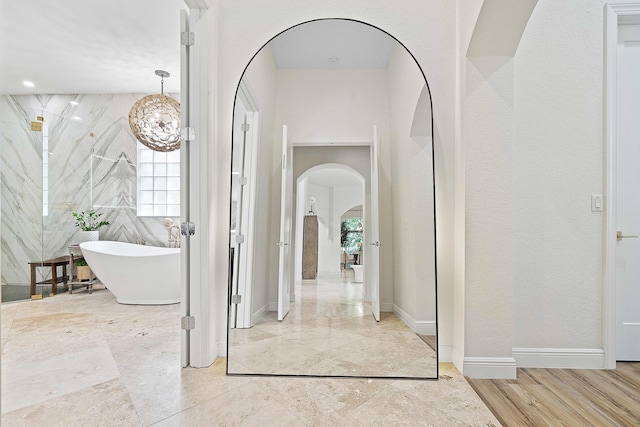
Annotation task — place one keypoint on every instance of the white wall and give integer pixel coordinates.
(558, 159)
(324, 211)
(533, 142)
(303, 206)
(411, 174)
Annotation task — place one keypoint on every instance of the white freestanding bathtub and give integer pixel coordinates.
(136, 274)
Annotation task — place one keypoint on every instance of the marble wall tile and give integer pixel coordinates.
(92, 157)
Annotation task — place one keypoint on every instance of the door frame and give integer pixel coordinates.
(613, 12)
(333, 141)
(285, 262)
(244, 314)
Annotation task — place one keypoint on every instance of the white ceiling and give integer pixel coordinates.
(311, 45)
(335, 177)
(114, 46)
(89, 46)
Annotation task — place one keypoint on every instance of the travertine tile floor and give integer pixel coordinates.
(330, 330)
(84, 360)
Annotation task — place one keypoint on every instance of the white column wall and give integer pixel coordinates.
(558, 164)
(412, 198)
(324, 212)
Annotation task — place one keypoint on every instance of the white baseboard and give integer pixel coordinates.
(457, 359)
(489, 367)
(257, 315)
(565, 358)
(221, 348)
(422, 327)
(386, 307)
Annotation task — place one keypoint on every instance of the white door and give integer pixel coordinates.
(628, 200)
(284, 264)
(374, 241)
(243, 207)
(236, 237)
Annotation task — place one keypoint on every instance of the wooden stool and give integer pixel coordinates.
(54, 263)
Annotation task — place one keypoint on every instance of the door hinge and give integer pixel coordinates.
(187, 38)
(236, 299)
(188, 323)
(243, 180)
(240, 238)
(187, 134)
(244, 127)
(188, 228)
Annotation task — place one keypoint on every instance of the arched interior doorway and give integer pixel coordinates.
(323, 194)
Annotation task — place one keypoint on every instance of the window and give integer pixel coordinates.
(158, 182)
(351, 235)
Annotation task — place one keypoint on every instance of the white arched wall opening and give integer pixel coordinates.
(331, 202)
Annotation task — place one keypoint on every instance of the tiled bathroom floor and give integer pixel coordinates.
(84, 360)
(330, 331)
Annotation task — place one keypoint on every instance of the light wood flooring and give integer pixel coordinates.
(565, 397)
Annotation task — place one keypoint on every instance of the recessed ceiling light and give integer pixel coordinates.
(73, 102)
(27, 83)
(333, 60)
(77, 118)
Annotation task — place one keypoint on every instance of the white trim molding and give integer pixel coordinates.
(259, 313)
(626, 11)
(386, 307)
(221, 347)
(564, 358)
(421, 327)
(457, 358)
(490, 367)
(331, 140)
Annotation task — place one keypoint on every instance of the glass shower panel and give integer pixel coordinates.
(21, 196)
(45, 171)
(67, 165)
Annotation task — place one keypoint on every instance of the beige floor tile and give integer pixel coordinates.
(315, 399)
(30, 380)
(104, 404)
(83, 359)
(246, 406)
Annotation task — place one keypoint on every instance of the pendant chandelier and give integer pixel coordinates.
(155, 120)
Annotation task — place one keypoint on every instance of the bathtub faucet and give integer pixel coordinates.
(174, 232)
